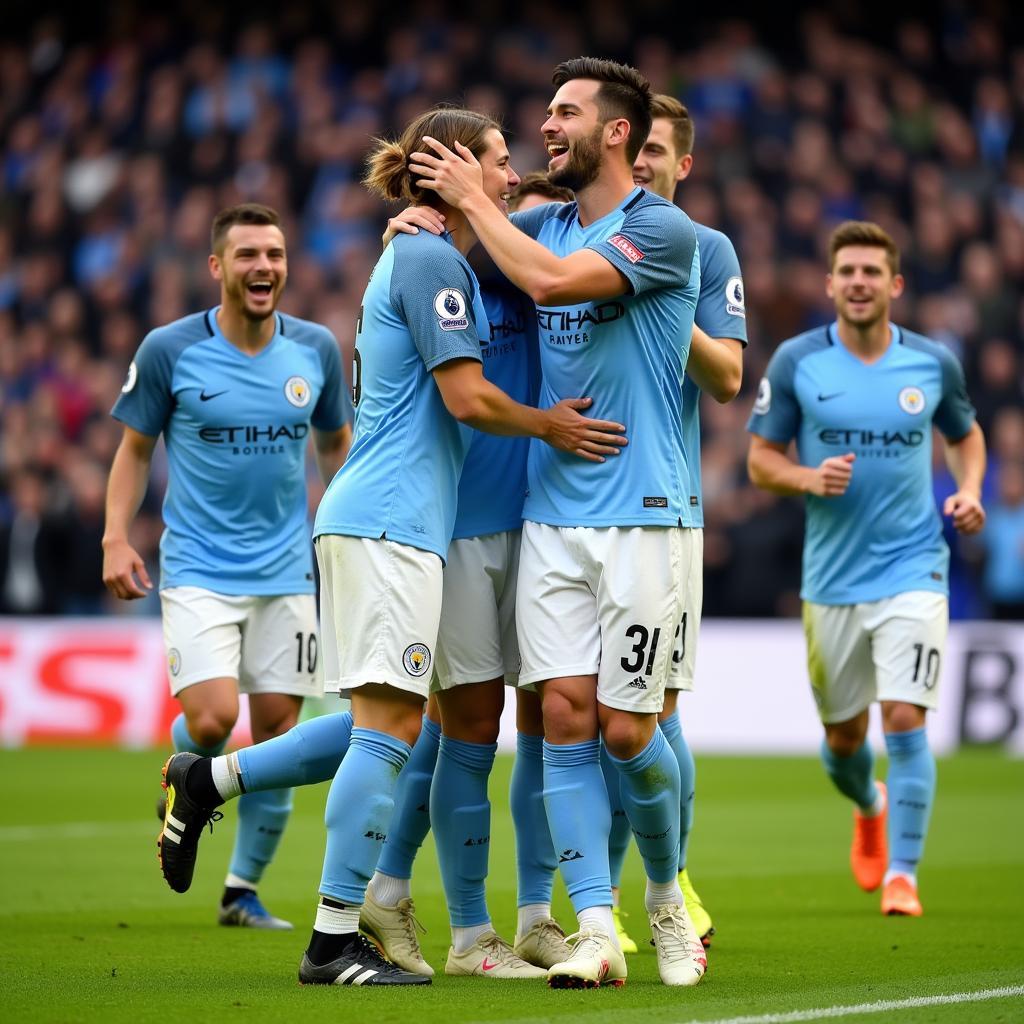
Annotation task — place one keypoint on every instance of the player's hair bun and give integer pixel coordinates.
(387, 172)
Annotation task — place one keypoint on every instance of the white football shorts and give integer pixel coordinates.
(604, 601)
(268, 644)
(684, 647)
(476, 640)
(380, 602)
(888, 650)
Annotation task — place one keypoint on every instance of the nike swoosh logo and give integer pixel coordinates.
(825, 398)
(487, 965)
(204, 397)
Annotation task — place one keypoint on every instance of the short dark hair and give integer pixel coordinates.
(863, 232)
(537, 183)
(244, 213)
(672, 110)
(624, 92)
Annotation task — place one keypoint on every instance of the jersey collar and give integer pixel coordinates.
(896, 338)
(627, 203)
(213, 327)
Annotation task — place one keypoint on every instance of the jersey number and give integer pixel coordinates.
(929, 662)
(679, 650)
(640, 637)
(357, 364)
(306, 644)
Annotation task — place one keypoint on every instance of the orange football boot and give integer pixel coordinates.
(869, 852)
(899, 897)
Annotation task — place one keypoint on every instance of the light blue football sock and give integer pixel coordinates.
(261, 821)
(461, 814)
(536, 863)
(580, 819)
(360, 806)
(309, 752)
(620, 835)
(411, 822)
(911, 783)
(853, 776)
(672, 729)
(183, 742)
(649, 784)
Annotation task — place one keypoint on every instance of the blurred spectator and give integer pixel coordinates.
(120, 138)
(1003, 540)
(29, 556)
(80, 534)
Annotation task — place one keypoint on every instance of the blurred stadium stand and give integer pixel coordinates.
(119, 140)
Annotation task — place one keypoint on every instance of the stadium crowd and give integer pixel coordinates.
(119, 143)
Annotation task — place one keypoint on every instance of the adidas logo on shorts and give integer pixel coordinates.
(638, 683)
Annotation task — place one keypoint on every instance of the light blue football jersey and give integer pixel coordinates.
(628, 354)
(883, 536)
(236, 428)
(422, 308)
(493, 482)
(720, 313)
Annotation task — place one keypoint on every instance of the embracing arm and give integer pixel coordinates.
(548, 279)
(475, 401)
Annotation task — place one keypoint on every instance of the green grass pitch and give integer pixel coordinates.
(90, 932)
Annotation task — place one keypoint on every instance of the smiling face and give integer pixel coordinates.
(573, 134)
(862, 285)
(499, 178)
(252, 269)
(659, 168)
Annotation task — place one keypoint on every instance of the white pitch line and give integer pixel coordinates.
(74, 830)
(884, 1006)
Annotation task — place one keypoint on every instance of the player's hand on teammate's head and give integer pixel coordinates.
(588, 438)
(832, 476)
(410, 220)
(967, 511)
(121, 564)
(452, 175)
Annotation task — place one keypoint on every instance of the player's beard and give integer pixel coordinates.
(868, 319)
(236, 290)
(583, 165)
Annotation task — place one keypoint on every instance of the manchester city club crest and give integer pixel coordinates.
(912, 400)
(173, 661)
(416, 659)
(298, 391)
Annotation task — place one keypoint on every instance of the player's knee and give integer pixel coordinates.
(843, 743)
(564, 723)
(898, 717)
(626, 735)
(670, 705)
(405, 724)
(529, 717)
(476, 720)
(473, 730)
(267, 729)
(211, 727)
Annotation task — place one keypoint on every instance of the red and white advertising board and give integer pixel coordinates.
(104, 681)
